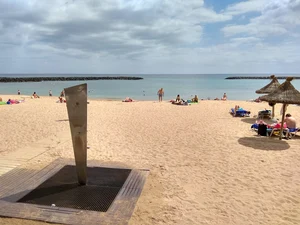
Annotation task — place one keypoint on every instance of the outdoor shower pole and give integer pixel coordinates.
(76, 98)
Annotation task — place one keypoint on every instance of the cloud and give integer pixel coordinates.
(277, 17)
(246, 7)
(153, 36)
(117, 27)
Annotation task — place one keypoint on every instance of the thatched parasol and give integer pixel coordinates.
(286, 94)
(272, 86)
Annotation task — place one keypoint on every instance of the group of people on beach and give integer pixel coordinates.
(288, 123)
(224, 98)
(61, 98)
(179, 100)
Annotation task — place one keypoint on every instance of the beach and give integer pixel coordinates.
(206, 167)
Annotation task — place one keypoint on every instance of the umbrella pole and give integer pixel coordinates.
(273, 113)
(281, 129)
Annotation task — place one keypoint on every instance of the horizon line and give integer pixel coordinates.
(148, 73)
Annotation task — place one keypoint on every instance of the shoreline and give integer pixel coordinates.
(14, 96)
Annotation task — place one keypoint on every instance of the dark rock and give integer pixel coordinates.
(252, 78)
(39, 79)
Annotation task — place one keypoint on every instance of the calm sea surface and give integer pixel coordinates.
(204, 85)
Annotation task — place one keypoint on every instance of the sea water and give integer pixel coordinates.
(186, 85)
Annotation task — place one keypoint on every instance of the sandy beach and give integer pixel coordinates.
(206, 167)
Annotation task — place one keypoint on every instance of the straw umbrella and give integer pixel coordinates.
(286, 94)
(272, 86)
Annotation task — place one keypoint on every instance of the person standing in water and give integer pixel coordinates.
(19, 92)
(160, 94)
(50, 93)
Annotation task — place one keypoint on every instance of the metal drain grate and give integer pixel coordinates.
(63, 190)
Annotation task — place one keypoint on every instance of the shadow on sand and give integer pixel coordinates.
(249, 120)
(65, 120)
(264, 143)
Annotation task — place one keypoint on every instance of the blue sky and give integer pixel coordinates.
(149, 36)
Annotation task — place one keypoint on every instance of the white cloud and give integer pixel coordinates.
(276, 17)
(246, 6)
(117, 27)
(136, 36)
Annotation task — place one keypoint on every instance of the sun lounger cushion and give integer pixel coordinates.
(293, 129)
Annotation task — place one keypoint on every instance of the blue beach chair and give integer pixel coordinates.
(240, 113)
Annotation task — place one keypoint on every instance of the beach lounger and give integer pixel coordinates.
(264, 114)
(240, 113)
(293, 132)
(276, 131)
(254, 126)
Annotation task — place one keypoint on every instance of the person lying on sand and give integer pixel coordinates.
(61, 100)
(257, 100)
(13, 101)
(127, 99)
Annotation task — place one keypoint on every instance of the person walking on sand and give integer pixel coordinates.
(160, 94)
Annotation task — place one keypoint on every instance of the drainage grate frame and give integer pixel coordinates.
(20, 183)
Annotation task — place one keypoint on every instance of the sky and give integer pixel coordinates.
(149, 36)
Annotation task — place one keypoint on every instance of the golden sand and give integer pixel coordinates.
(206, 167)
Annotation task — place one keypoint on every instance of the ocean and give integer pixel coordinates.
(203, 85)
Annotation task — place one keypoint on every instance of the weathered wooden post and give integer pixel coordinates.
(76, 98)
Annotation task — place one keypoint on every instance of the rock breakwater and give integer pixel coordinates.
(39, 79)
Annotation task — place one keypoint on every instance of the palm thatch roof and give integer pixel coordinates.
(272, 86)
(285, 93)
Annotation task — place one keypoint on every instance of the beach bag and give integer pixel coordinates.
(262, 130)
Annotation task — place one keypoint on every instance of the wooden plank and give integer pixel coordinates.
(26, 180)
(76, 97)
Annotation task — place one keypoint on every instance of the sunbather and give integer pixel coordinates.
(195, 99)
(238, 111)
(224, 98)
(290, 121)
(13, 101)
(257, 100)
(61, 100)
(178, 99)
(127, 99)
(34, 95)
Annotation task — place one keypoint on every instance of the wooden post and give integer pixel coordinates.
(283, 114)
(273, 113)
(76, 97)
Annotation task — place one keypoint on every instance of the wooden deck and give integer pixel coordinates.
(25, 154)
(20, 181)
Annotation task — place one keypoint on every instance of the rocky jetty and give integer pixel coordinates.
(39, 79)
(253, 78)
